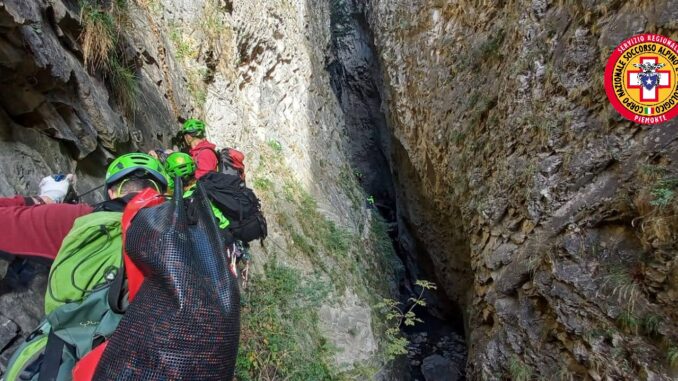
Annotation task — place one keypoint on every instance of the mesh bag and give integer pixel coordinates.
(184, 323)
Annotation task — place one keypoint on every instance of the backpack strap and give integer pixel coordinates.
(49, 370)
(116, 292)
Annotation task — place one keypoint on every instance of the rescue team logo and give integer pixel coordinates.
(640, 79)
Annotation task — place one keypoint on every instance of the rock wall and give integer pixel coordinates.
(57, 112)
(58, 115)
(547, 216)
(255, 71)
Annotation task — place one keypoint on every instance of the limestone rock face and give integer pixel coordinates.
(254, 70)
(541, 209)
(54, 111)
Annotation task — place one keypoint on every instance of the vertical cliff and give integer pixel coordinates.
(83, 81)
(549, 218)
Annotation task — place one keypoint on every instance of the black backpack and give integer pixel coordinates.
(238, 203)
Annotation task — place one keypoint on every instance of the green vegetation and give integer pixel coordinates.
(182, 46)
(197, 86)
(275, 145)
(623, 286)
(98, 36)
(396, 316)
(102, 24)
(518, 370)
(212, 24)
(628, 322)
(124, 84)
(604, 333)
(324, 243)
(656, 206)
(349, 184)
(672, 356)
(280, 337)
(664, 192)
(339, 255)
(262, 183)
(650, 325)
(458, 137)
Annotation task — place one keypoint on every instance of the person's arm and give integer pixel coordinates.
(16, 201)
(51, 191)
(37, 230)
(205, 161)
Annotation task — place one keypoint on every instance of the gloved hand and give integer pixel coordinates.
(55, 190)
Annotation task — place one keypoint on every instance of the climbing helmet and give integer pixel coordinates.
(194, 127)
(135, 163)
(179, 164)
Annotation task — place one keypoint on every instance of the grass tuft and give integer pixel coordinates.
(518, 370)
(98, 37)
(623, 286)
(672, 357)
(628, 322)
(124, 83)
(650, 325)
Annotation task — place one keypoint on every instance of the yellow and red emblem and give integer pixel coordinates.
(640, 79)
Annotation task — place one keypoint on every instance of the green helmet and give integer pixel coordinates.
(194, 127)
(132, 163)
(179, 164)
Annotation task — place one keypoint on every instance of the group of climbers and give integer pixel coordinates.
(86, 244)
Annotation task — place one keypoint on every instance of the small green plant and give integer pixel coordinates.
(604, 333)
(628, 322)
(182, 46)
(650, 325)
(275, 145)
(662, 197)
(672, 356)
(197, 87)
(623, 286)
(518, 370)
(396, 316)
(263, 184)
(124, 83)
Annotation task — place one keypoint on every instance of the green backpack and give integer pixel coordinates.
(84, 301)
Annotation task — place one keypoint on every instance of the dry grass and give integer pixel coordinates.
(97, 37)
(657, 207)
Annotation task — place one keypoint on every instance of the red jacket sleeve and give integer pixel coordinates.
(205, 161)
(12, 201)
(37, 230)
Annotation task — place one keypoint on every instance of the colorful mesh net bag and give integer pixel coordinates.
(184, 323)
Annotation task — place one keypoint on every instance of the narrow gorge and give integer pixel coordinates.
(466, 143)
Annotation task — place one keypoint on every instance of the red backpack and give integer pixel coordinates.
(231, 162)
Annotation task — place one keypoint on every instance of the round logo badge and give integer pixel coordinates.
(640, 79)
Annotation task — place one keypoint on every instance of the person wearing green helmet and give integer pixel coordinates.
(182, 165)
(133, 173)
(201, 150)
(47, 225)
